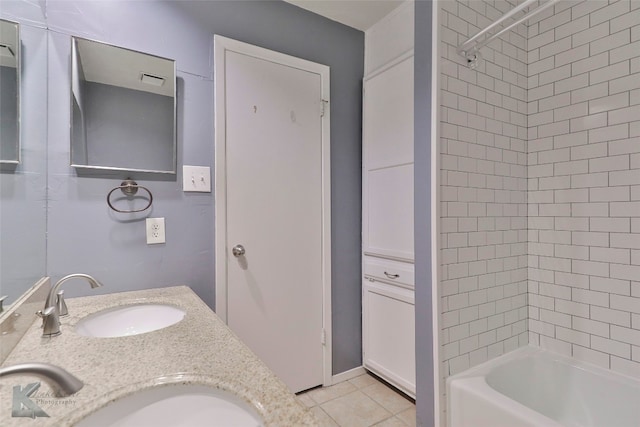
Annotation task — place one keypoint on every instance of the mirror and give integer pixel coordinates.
(23, 186)
(123, 109)
(9, 92)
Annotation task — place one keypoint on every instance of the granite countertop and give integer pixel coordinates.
(200, 349)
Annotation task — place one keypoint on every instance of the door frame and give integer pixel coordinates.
(221, 46)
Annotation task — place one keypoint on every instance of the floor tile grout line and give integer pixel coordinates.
(360, 388)
(332, 419)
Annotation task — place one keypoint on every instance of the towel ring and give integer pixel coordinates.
(129, 188)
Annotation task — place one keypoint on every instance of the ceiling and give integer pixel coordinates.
(359, 14)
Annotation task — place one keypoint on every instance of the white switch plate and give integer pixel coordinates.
(155, 231)
(196, 178)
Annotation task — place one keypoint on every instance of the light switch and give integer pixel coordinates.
(196, 178)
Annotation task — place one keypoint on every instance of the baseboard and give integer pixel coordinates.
(347, 375)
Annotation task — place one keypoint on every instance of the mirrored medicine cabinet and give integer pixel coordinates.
(123, 105)
(9, 92)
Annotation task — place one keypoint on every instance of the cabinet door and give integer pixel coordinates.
(388, 212)
(388, 163)
(389, 334)
(388, 117)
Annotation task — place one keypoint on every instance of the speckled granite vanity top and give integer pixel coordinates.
(198, 350)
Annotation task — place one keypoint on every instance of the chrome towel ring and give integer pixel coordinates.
(129, 188)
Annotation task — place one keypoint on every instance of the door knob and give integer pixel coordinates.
(238, 251)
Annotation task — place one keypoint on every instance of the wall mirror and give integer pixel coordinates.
(123, 109)
(9, 92)
(23, 187)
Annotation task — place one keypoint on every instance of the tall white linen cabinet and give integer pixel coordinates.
(388, 321)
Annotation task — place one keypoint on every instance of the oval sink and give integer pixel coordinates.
(176, 406)
(129, 320)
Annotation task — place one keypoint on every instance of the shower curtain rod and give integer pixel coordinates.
(470, 48)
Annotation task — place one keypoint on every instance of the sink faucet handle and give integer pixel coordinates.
(44, 314)
(60, 304)
(50, 322)
(2, 298)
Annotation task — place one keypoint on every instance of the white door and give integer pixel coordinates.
(275, 180)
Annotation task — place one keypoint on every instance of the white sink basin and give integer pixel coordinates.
(176, 406)
(129, 320)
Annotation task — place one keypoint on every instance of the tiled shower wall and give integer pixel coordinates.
(584, 182)
(483, 190)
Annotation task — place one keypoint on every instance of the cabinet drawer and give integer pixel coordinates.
(389, 334)
(401, 273)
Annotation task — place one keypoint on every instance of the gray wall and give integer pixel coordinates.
(84, 235)
(422, 213)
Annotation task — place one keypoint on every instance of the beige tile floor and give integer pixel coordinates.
(360, 402)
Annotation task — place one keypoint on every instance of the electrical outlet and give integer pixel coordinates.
(155, 231)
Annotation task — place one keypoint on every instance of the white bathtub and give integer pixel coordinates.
(531, 387)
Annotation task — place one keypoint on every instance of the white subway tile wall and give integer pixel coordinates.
(583, 178)
(540, 185)
(484, 185)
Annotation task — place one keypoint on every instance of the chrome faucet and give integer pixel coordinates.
(61, 381)
(51, 312)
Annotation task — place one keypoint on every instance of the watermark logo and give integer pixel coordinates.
(23, 406)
